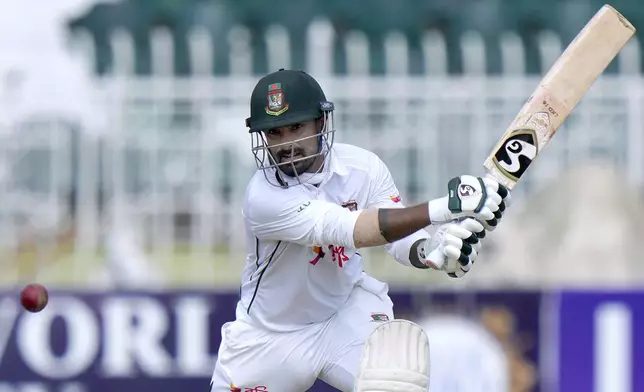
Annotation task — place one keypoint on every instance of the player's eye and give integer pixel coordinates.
(296, 127)
(272, 132)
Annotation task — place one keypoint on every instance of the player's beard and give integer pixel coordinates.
(293, 169)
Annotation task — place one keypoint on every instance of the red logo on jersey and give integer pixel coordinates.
(259, 388)
(320, 255)
(337, 252)
(395, 199)
(338, 255)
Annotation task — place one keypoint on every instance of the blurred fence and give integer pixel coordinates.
(170, 172)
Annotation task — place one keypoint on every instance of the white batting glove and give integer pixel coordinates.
(454, 247)
(482, 198)
(506, 201)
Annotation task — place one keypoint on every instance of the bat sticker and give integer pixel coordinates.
(516, 153)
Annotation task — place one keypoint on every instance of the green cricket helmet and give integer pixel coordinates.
(283, 98)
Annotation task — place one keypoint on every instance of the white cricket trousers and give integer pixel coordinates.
(255, 360)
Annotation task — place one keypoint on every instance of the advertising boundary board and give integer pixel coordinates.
(601, 341)
(167, 341)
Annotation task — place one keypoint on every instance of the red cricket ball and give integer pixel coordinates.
(34, 298)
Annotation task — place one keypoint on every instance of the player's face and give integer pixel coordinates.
(292, 144)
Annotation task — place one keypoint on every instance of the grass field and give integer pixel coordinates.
(180, 269)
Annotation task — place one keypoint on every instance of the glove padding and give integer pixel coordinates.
(455, 246)
(482, 198)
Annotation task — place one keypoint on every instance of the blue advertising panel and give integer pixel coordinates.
(601, 341)
(112, 342)
(167, 341)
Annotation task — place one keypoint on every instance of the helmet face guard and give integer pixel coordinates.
(275, 172)
(284, 98)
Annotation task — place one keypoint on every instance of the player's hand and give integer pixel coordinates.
(469, 196)
(506, 201)
(455, 246)
(456, 268)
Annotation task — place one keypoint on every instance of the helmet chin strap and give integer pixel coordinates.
(317, 177)
(313, 178)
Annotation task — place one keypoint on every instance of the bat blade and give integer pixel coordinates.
(557, 94)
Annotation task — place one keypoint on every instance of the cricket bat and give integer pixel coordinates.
(557, 94)
(560, 90)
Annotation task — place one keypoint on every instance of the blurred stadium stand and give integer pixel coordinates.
(233, 24)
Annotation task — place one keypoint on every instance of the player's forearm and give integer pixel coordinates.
(387, 225)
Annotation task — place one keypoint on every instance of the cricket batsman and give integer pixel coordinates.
(307, 308)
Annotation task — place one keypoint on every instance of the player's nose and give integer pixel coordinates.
(288, 137)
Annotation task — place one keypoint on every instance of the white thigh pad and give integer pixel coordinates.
(395, 359)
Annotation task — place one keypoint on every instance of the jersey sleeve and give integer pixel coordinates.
(385, 194)
(301, 220)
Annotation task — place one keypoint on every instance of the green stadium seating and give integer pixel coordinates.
(453, 18)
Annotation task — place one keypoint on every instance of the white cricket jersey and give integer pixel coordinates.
(301, 264)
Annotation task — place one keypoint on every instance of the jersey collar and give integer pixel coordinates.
(335, 164)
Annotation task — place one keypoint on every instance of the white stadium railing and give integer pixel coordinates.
(320, 42)
(159, 185)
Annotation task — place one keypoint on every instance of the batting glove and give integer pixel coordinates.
(481, 198)
(455, 246)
